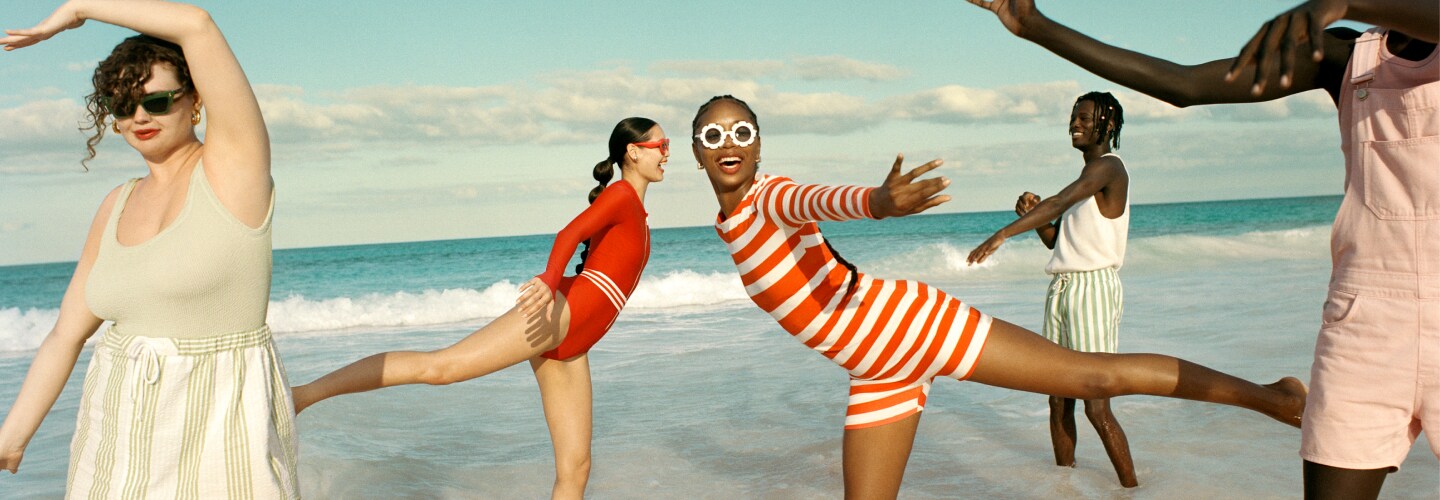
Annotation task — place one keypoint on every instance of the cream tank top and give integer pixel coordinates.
(1088, 240)
(205, 274)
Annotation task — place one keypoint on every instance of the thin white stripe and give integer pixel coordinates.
(868, 325)
(972, 351)
(606, 286)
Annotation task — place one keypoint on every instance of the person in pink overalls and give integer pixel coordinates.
(1375, 382)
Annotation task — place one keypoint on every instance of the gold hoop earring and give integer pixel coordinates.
(195, 118)
(115, 126)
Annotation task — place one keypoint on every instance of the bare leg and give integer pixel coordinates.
(1016, 358)
(875, 458)
(565, 394)
(1113, 437)
(1323, 482)
(508, 340)
(1062, 430)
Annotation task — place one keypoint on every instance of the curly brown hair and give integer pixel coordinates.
(122, 76)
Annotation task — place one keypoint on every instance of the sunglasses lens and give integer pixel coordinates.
(743, 134)
(714, 136)
(157, 104)
(121, 109)
(665, 146)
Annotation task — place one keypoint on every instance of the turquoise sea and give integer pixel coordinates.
(699, 394)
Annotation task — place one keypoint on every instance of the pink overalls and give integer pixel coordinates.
(1376, 379)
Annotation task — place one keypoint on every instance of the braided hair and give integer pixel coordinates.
(633, 129)
(695, 128)
(1107, 111)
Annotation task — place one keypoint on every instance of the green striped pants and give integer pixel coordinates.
(1082, 310)
(207, 418)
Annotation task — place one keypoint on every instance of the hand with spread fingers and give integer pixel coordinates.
(1282, 36)
(534, 296)
(902, 195)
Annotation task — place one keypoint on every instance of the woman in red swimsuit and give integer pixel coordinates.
(555, 320)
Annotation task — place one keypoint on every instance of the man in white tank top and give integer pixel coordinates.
(1086, 224)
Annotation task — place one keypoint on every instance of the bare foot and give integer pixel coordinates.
(1291, 405)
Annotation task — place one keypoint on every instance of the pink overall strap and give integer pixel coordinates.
(1365, 57)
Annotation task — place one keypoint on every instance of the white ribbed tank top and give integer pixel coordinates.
(1088, 240)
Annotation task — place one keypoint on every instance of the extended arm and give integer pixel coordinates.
(1180, 85)
(1280, 38)
(898, 196)
(237, 151)
(57, 355)
(1094, 177)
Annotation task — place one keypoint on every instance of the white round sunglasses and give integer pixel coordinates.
(742, 133)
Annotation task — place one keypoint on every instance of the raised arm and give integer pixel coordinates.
(237, 150)
(57, 354)
(1177, 84)
(1280, 38)
(1095, 176)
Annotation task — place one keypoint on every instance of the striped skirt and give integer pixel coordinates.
(1082, 310)
(204, 418)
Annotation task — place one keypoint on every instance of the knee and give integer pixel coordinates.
(574, 468)
(1098, 411)
(439, 371)
(1100, 384)
(1057, 405)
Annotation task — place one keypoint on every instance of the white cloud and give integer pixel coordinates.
(43, 120)
(811, 68)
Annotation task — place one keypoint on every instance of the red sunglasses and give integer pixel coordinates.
(663, 144)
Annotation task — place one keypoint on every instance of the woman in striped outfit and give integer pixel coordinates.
(895, 336)
(185, 396)
(617, 239)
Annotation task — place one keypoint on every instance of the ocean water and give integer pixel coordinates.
(699, 394)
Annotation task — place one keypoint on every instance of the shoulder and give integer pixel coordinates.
(1109, 164)
(108, 204)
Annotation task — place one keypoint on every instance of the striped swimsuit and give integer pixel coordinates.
(893, 336)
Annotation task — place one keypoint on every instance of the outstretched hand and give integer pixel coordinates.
(986, 249)
(1303, 24)
(902, 195)
(534, 296)
(62, 19)
(1012, 13)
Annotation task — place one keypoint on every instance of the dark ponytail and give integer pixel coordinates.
(854, 273)
(629, 130)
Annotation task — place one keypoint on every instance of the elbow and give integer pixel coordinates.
(197, 21)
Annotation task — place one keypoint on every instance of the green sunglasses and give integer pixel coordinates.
(156, 104)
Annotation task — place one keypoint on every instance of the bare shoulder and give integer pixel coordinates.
(108, 204)
(1107, 165)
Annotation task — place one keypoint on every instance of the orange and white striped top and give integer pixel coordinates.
(892, 336)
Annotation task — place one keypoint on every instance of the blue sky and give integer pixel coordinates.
(402, 121)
